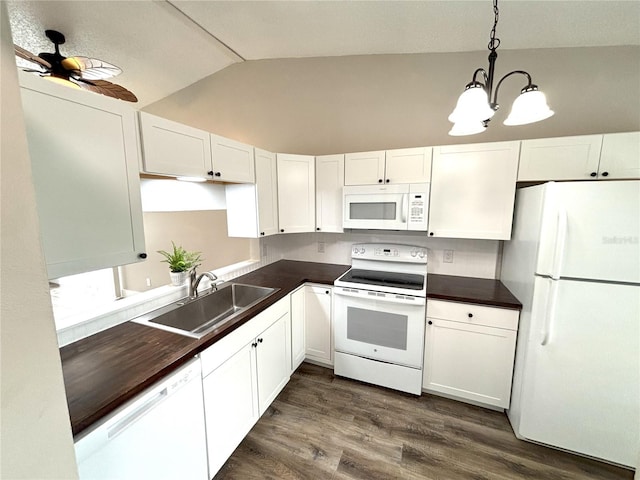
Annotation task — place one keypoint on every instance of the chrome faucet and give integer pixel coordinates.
(194, 281)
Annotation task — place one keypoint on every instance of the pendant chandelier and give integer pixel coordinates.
(479, 101)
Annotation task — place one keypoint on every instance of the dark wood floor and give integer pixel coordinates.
(326, 427)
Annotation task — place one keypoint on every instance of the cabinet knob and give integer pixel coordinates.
(282, 230)
(387, 180)
(318, 229)
(327, 292)
(593, 174)
(254, 344)
(605, 174)
(430, 322)
(431, 234)
(262, 233)
(142, 255)
(379, 180)
(471, 315)
(217, 174)
(210, 172)
(260, 340)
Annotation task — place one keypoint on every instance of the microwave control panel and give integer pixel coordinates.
(417, 209)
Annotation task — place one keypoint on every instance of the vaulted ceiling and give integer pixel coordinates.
(163, 46)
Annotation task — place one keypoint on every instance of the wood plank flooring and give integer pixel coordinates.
(327, 427)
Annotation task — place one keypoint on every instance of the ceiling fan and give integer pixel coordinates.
(83, 72)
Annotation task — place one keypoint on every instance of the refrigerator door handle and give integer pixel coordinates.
(559, 244)
(550, 313)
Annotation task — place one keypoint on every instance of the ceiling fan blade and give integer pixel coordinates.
(106, 88)
(27, 55)
(90, 68)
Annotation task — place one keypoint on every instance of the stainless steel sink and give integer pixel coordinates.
(195, 318)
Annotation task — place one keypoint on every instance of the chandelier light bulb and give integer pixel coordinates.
(530, 107)
(472, 106)
(464, 127)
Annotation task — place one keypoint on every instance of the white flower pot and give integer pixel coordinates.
(178, 278)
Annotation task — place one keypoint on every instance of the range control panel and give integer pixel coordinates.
(389, 252)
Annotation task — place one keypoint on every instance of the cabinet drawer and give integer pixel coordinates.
(473, 314)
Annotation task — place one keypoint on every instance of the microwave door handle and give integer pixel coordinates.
(403, 209)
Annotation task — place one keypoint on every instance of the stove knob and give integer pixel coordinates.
(395, 253)
(362, 250)
(413, 253)
(421, 254)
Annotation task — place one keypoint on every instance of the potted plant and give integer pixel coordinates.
(180, 262)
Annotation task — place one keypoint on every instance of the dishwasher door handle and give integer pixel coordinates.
(124, 423)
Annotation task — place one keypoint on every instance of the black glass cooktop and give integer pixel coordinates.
(408, 281)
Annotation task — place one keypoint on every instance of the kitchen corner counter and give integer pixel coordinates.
(481, 291)
(106, 370)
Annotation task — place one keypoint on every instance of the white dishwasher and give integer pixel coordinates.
(158, 435)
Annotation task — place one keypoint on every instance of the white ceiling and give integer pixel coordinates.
(164, 46)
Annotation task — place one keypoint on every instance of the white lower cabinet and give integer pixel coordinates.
(242, 374)
(297, 328)
(469, 352)
(318, 323)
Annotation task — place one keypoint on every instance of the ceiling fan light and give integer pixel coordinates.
(472, 106)
(530, 107)
(462, 128)
(62, 81)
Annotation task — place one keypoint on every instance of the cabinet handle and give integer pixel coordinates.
(471, 315)
(379, 180)
(387, 180)
(217, 174)
(282, 230)
(431, 234)
(605, 174)
(142, 255)
(210, 172)
(593, 174)
(430, 322)
(260, 340)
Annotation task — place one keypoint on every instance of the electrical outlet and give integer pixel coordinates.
(447, 256)
(148, 282)
(320, 247)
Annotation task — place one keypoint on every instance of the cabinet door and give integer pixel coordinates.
(231, 405)
(563, 158)
(297, 328)
(171, 148)
(408, 165)
(296, 193)
(273, 364)
(473, 190)
(329, 183)
(267, 186)
(620, 156)
(364, 168)
(84, 153)
(469, 361)
(318, 325)
(232, 161)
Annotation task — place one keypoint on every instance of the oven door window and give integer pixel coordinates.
(377, 328)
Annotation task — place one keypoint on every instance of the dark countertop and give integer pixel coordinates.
(104, 371)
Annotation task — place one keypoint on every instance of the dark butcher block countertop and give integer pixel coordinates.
(104, 371)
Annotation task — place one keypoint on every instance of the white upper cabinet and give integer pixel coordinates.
(171, 148)
(473, 190)
(296, 193)
(620, 156)
(84, 152)
(329, 183)
(232, 161)
(252, 210)
(408, 165)
(364, 168)
(563, 158)
(405, 165)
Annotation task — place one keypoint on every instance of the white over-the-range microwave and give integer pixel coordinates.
(386, 207)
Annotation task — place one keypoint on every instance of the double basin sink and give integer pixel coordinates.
(200, 316)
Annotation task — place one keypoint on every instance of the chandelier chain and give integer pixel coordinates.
(493, 41)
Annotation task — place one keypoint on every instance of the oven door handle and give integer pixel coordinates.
(379, 296)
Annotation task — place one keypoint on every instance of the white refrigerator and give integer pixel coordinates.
(574, 263)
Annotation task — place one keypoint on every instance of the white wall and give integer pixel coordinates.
(35, 432)
(471, 258)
